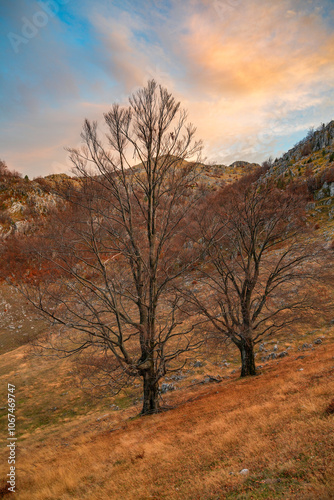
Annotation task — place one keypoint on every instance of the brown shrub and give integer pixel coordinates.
(299, 188)
(5, 172)
(306, 149)
(328, 175)
(330, 408)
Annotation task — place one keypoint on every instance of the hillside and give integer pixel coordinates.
(310, 161)
(218, 436)
(23, 201)
(305, 151)
(213, 176)
(274, 425)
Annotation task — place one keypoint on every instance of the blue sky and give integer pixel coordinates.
(254, 75)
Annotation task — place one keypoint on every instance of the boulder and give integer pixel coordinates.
(167, 387)
(283, 354)
(331, 189)
(198, 364)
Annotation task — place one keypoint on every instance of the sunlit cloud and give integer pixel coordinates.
(253, 75)
(257, 70)
(256, 53)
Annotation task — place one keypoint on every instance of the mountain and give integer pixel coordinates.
(314, 151)
(22, 201)
(268, 436)
(310, 161)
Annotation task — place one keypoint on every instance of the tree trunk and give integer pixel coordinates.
(151, 393)
(247, 358)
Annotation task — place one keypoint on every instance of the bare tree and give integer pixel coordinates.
(258, 265)
(112, 257)
(3, 168)
(6, 173)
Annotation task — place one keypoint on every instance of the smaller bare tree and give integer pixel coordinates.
(258, 264)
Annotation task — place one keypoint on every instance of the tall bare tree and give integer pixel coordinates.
(259, 264)
(112, 257)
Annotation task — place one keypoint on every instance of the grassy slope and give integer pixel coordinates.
(70, 446)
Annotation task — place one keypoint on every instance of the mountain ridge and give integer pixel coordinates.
(22, 200)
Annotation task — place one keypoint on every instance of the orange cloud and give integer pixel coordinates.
(253, 68)
(248, 71)
(259, 49)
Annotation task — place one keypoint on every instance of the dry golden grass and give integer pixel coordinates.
(274, 424)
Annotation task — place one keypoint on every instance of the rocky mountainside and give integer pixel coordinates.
(23, 201)
(305, 151)
(311, 161)
(212, 176)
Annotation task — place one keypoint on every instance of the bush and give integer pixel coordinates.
(5, 172)
(330, 408)
(299, 188)
(306, 149)
(5, 218)
(313, 184)
(280, 183)
(328, 175)
(316, 182)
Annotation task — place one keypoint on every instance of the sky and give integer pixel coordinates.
(254, 75)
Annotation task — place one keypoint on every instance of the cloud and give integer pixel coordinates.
(130, 51)
(38, 147)
(252, 70)
(121, 58)
(254, 75)
(260, 51)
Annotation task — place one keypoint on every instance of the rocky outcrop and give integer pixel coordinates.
(315, 140)
(22, 202)
(325, 191)
(244, 164)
